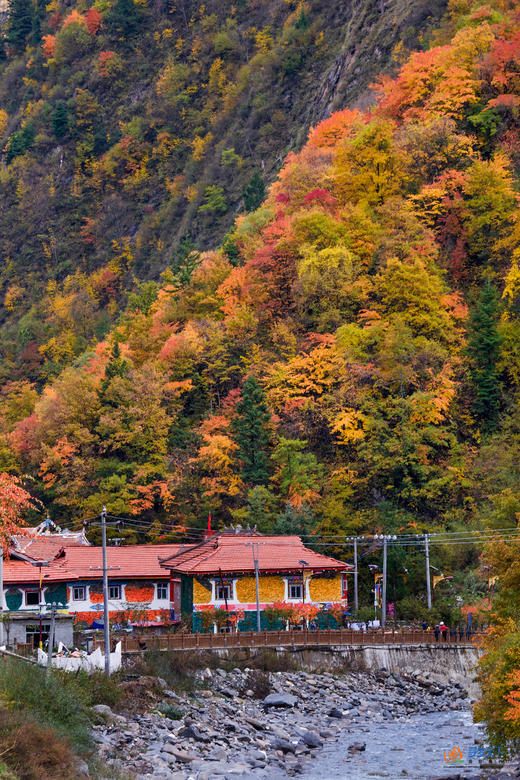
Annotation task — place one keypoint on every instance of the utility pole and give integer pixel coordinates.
(356, 605)
(51, 638)
(106, 627)
(255, 561)
(383, 603)
(428, 585)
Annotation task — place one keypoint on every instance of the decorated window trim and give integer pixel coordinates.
(118, 588)
(83, 588)
(231, 582)
(296, 579)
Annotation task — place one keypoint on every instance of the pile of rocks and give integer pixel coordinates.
(224, 732)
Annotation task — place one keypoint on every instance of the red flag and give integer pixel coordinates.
(209, 524)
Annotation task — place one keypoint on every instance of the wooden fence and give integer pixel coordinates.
(322, 638)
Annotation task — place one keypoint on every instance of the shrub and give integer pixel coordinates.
(33, 751)
(170, 710)
(258, 682)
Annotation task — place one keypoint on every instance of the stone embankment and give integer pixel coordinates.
(222, 730)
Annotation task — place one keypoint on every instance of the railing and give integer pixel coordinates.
(324, 637)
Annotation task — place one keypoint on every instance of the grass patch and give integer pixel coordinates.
(59, 701)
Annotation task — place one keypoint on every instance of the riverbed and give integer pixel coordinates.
(409, 747)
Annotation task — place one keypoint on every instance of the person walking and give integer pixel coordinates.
(424, 625)
(437, 631)
(453, 635)
(461, 632)
(444, 630)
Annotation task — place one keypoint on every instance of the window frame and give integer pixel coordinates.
(118, 589)
(32, 593)
(160, 587)
(82, 588)
(298, 585)
(221, 588)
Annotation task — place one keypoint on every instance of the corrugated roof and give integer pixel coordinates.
(234, 553)
(84, 563)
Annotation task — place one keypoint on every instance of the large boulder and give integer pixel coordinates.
(280, 700)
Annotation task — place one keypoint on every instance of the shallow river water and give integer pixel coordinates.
(412, 747)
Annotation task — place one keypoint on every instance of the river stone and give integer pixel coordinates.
(284, 745)
(357, 747)
(192, 732)
(335, 713)
(311, 739)
(181, 755)
(280, 700)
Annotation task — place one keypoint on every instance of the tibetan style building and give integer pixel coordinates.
(220, 572)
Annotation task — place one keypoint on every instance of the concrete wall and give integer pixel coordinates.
(15, 629)
(444, 663)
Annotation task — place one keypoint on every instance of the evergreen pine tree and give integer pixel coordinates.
(252, 433)
(254, 193)
(483, 352)
(116, 366)
(36, 34)
(123, 19)
(19, 23)
(60, 120)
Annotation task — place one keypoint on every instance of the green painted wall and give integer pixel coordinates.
(13, 599)
(186, 594)
(58, 594)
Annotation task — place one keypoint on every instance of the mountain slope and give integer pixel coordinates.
(348, 361)
(131, 130)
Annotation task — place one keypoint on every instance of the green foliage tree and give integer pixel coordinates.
(259, 511)
(60, 120)
(20, 141)
(187, 259)
(214, 201)
(251, 429)
(123, 19)
(483, 352)
(19, 23)
(116, 366)
(254, 193)
(143, 298)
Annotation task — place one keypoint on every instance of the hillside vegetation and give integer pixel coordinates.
(132, 131)
(348, 360)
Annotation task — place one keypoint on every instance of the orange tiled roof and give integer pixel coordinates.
(44, 547)
(83, 563)
(233, 553)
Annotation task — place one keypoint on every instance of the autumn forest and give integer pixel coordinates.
(234, 283)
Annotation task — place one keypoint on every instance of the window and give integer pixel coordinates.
(32, 634)
(114, 592)
(79, 593)
(32, 598)
(162, 590)
(295, 590)
(223, 592)
(344, 587)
